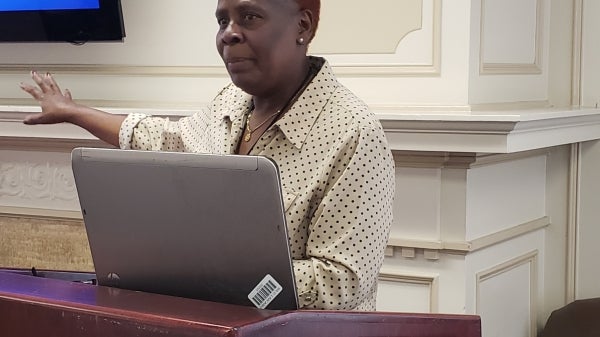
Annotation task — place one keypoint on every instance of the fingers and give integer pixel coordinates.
(33, 91)
(52, 100)
(45, 82)
(52, 83)
(39, 81)
(46, 85)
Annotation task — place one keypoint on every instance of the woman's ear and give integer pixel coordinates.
(305, 27)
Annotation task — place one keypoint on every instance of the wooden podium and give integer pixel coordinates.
(35, 306)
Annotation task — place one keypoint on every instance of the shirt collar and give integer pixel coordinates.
(297, 122)
(233, 106)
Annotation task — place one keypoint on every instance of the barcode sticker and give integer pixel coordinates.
(265, 292)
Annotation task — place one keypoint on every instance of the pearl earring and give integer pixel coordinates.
(300, 40)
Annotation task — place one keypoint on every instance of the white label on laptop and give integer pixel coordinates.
(265, 292)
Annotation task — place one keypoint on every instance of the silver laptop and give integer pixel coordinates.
(202, 226)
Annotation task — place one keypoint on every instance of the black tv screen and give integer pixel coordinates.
(75, 21)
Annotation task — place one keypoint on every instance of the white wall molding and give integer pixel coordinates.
(467, 247)
(442, 247)
(458, 160)
(573, 222)
(434, 159)
(576, 96)
(497, 158)
(41, 214)
(215, 71)
(48, 144)
(510, 69)
(489, 132)
(515, 106)
(431, 282)
(493, 68)
(530, 259)
(118, 70)
(509, 234)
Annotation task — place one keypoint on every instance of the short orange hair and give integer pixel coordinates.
(315, 7)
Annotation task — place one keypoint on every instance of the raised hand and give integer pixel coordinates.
(57, 106)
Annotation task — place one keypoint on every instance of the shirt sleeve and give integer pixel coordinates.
(350, 228)
(143, 132)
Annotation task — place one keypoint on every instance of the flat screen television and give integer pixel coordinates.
(74, 21)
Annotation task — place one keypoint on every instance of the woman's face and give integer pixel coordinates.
(257, 42)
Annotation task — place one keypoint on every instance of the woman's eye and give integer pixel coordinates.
(250, 17)
(222, 22)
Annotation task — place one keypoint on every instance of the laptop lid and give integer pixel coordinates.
(202, 226)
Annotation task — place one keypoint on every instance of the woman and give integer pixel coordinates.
(336, 168)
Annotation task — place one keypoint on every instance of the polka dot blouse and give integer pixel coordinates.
(337, 174)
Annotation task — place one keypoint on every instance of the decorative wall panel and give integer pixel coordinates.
(407, 293)
(353, 30)
(508, 293)
(29, 180)
(511, 36)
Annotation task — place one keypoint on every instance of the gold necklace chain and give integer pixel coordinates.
(312, 72)
(249, 131)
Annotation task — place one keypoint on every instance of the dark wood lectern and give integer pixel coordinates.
(33, 307)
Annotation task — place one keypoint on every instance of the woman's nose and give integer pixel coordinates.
(232, 34)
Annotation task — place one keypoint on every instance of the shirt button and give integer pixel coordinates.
(308, 298)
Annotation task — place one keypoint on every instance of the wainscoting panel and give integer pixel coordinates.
(508, 293)
(511, 36)
(407, 293)
(505, 194)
